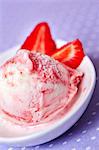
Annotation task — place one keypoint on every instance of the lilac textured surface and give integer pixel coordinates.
(69, 19)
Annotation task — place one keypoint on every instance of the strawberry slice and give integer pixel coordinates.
(40, 40)
(70, 54)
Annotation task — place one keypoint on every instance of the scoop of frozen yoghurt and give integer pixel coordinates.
(35, 87)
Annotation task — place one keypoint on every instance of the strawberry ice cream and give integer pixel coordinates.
(35, 88)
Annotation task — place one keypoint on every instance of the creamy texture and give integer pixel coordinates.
(34, 88)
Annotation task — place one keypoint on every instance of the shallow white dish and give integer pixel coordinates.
(83, 97)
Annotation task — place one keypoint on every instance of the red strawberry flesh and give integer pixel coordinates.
(70, 54)
(40, 40)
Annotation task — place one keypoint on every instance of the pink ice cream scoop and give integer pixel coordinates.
(35, 88)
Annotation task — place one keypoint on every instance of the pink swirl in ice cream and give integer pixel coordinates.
(34, 88)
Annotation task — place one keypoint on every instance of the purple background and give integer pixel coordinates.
(69, 19)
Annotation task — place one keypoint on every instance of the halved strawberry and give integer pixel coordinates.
(70, 54)
(40, 40)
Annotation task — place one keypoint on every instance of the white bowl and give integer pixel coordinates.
(54, 130)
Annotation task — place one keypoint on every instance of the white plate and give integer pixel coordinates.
(54, 130)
